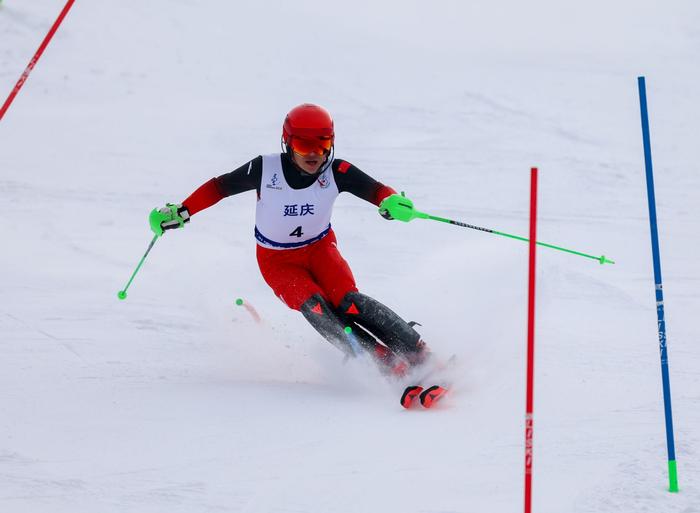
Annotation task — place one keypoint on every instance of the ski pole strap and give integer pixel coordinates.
(422, 215)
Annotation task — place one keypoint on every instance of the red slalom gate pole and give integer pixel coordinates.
(37, 56)
(530, 341)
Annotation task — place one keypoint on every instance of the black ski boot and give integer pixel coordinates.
(382, 322)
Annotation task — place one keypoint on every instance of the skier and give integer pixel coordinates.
(297, 250)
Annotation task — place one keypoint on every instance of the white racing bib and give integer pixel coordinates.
(287, 218)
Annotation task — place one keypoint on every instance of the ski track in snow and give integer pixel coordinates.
(175, 400)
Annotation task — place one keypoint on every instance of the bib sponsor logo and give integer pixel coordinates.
(323, 181)
(273, 183)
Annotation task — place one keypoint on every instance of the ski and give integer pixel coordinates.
(432, 395)
(427, 397)
(410, 394)
(426, 391)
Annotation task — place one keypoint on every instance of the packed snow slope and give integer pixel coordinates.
(176, 401)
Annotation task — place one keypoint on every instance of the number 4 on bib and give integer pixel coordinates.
(297, 232)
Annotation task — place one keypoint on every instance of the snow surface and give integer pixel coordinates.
(176, 401)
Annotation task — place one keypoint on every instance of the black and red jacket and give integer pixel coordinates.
(249, 176)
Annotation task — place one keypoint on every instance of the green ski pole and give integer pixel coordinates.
(402, 209)
(122, 293)
(601, 259)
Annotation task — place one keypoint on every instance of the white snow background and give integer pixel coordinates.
(176, 401)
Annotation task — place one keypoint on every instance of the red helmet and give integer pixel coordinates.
(308, 128)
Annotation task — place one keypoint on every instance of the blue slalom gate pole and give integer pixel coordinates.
(672, 469)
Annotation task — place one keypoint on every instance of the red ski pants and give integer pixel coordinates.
(297, 274)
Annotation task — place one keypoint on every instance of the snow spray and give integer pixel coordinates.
(352, 340)
(672, 470)
(529, 402)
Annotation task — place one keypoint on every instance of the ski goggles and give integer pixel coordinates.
(304, 146)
